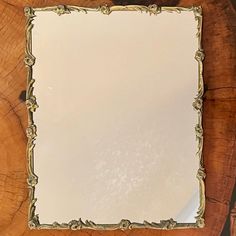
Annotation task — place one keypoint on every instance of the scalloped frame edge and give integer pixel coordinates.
(31, 131)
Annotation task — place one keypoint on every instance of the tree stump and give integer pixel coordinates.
(219, 117)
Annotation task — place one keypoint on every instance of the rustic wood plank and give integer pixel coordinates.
(219, 33)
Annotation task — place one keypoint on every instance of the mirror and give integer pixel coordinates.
(116, 141)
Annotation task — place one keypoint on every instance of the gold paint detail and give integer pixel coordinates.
(29, 60)
(29, 12)
(31, 103)
(168, 224)
(199, 56)
(31, 131)
(198, 106)
(105, 10)
(61, 9)
(34, 222)
(125, 224)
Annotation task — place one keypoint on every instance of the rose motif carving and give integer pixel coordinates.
(75, 224)
(31, 103)
(32, 180)
(197, 11)
(124, 224)
(197, 104)
(199, 131)
(200, 223)
(34, 222)
(154, 9)
(31, 131)
(105, 10)
(168, 224)
(201, 173)
(29, 12)
(61, 9)
(29, 61)
(199, 55)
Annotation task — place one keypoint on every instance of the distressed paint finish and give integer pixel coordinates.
(219, 117)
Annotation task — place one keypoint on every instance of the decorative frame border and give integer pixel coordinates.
(31, 131)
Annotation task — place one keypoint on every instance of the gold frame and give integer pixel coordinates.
(31, 131)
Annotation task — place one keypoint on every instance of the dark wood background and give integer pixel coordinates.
(219, 42)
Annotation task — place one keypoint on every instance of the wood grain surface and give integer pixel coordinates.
(219, 117)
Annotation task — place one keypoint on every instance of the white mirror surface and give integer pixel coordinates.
(115, 124)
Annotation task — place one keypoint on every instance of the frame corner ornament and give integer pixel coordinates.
(197, 11)
(200, 222)
(29, 12)
(34, 222)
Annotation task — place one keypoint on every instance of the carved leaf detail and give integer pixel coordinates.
(199, 55)
(31, 131)
(105, 10)
(197, 104)
(199, 131)
(124, 224)
(168, 224)
(34, 222)
(31, 103)
(154, 9)
(29, 12)
(61, 10)
(29, 60)
(32, 180)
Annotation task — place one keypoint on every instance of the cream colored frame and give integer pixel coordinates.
(31, 103)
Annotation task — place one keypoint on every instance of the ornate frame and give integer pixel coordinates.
(31, 131)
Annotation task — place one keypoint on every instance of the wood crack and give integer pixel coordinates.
(214, 200)
(213, 89)
(15, 113)
(18, 209)
(11, 70)
(10, 4)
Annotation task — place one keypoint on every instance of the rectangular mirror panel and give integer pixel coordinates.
(116, 142)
